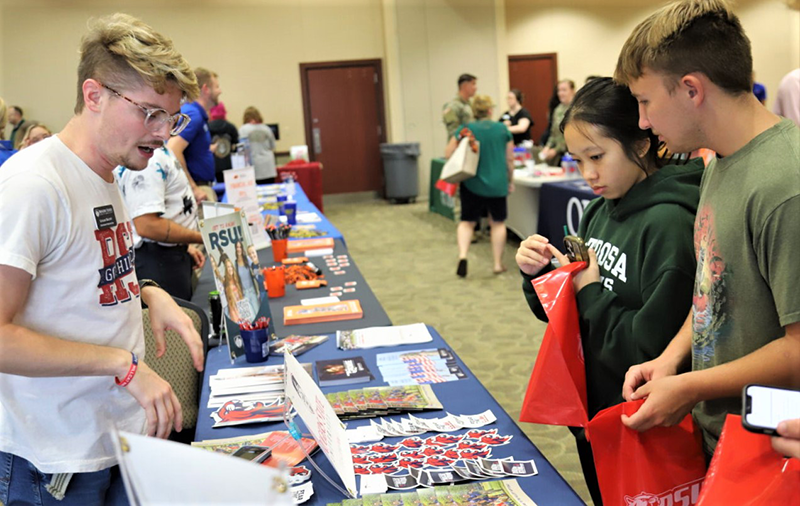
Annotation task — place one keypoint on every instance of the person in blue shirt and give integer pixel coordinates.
(6, 148)
(192, 147)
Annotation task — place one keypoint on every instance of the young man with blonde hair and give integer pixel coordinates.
(70, 302)
(690, 67)
(192, 147)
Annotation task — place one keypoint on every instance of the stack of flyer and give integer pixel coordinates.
(375, 337)
(247, 384)
(419, 367)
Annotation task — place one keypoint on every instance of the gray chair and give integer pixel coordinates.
(177, 368)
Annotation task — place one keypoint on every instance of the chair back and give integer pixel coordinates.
(176, 366)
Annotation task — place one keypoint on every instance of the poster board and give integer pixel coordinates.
(237, 275)
(320, 419)
(240, 189)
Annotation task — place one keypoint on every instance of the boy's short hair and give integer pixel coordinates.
(122, 51)
(465, 78)
(204, 76)
(690, 36)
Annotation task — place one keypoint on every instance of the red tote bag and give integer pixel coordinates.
(556, 393)
(746, 471)
(661, 466)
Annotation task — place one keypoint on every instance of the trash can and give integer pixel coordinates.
(400, 171)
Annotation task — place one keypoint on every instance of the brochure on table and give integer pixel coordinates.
(320, 419)
(240, 188)
(156, 471)
(237, 275)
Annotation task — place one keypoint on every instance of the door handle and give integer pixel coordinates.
(317, 141)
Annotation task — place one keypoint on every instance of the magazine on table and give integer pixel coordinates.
(296, 345)
(343, 371)
(284, 448)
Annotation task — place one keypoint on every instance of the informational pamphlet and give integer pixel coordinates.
(374, 337)
(240, 188)
(310, 403)
(156, 471)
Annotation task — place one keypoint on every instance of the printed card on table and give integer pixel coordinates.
(320, 419)
(240, 188)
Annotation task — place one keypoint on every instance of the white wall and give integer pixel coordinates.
(588, 34)
(438, 41)
(255, 47)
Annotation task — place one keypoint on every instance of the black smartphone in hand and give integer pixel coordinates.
(576, 249)
(764, 407)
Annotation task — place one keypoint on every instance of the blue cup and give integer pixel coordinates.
(290, 210)
(256, 345)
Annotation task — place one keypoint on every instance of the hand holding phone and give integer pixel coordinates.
(764, 407)
(576, 249)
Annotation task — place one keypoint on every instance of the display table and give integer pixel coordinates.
(467, 396)
(523, 202)
(560, 205)
(374, 314)
(305, 205)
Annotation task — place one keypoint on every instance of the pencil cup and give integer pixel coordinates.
(276, 281)
(256, 345)
(279, 249)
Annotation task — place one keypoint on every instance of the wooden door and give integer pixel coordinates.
(536, 75)
(344, 122)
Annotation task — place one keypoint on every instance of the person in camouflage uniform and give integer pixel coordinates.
(459, 110)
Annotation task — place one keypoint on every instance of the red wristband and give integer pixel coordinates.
(131, 372)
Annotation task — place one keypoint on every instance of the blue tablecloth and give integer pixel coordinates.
(303, 205)
(467, 396)
(562, 204)
(374, 314)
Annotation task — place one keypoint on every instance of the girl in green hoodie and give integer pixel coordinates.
(637, 289)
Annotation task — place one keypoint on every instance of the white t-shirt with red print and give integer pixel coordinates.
(68, 228)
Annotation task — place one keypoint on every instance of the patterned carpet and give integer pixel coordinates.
(408, 256)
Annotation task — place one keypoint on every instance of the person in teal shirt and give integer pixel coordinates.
(487, 191)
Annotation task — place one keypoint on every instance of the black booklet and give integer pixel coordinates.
(343, 371)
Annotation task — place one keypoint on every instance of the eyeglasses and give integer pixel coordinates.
(155, 119)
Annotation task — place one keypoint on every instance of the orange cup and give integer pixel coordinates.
(276, 281)
(279, 249)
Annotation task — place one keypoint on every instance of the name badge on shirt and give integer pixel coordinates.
(104, 217)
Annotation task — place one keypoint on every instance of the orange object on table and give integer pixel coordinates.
(333, 311)
(298, 245)
(276, 281)
(279, 247)
(294, 260)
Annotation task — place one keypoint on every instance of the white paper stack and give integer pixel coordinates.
(249, 384)
(375, 337)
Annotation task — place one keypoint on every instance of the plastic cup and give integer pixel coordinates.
(281, 201)
(290, 210)
(256, 345)
(276, 282)
(279, 249)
